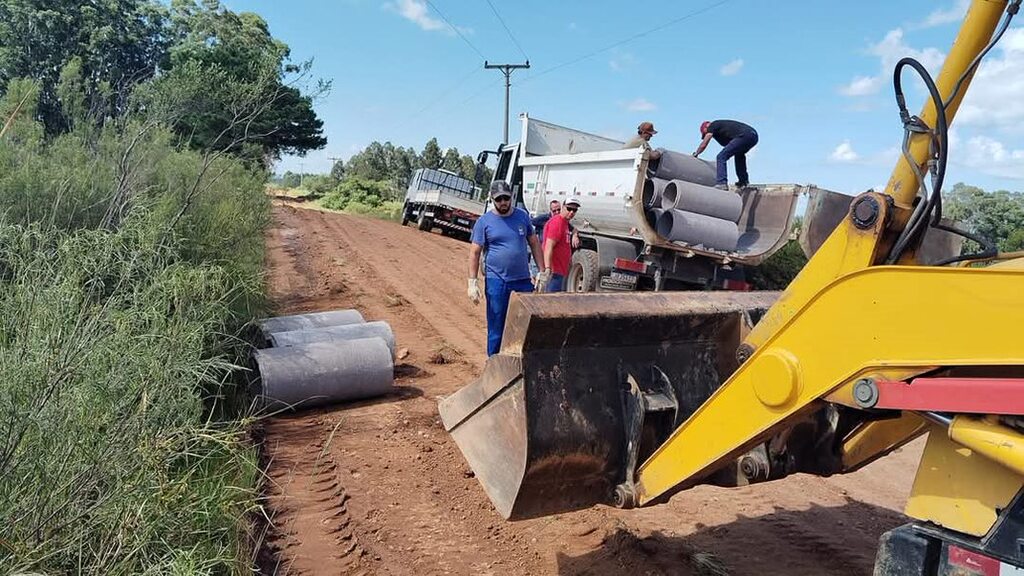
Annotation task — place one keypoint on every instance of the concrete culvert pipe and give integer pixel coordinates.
(689, 197)
(652, 216)
(676, 166)
(311, 320)
(653, 187)
(318, 373)
(344, 332)
(698, 229)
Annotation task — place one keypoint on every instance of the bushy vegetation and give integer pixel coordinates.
(131, 256)
(126, 265)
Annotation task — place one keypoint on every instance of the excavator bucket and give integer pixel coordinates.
(587, 385)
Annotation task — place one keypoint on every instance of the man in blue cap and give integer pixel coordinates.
(508, 238)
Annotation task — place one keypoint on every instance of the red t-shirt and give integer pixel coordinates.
(557, 229)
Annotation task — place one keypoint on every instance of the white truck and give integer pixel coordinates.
(619, 248)
(442, 199)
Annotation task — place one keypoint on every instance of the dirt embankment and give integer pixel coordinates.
(378, 487)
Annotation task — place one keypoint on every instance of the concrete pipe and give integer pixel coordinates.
(689, 197)
(676, 166)
(312, 320)
(653, 187)
(652, 215)
(698, 229)
(317, 373)
(344, 332)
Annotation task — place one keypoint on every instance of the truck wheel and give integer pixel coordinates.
(583, 271)
(426, 224)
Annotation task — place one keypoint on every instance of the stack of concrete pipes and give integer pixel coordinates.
(322, 358)
(682, 204)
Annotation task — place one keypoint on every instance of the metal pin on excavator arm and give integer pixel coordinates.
(627, 399)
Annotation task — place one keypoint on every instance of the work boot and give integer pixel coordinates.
(742, 185)
(722, 186)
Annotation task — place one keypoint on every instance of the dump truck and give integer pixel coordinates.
(442, 199)
(620, 244)
(627, 399)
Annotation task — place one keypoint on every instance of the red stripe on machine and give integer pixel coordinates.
(631, 265)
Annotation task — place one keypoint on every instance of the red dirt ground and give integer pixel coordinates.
(378, 487)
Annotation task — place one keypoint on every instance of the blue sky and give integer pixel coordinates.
(812, 76)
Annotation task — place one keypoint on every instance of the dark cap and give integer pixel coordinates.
(646, 127)
(499, 188)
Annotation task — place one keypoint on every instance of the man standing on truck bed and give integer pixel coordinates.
(557, 250)
(736, 139)
(644, 132)
(508, 237)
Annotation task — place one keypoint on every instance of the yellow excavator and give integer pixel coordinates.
(626, 399)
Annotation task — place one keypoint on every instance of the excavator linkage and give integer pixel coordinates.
(587, 385)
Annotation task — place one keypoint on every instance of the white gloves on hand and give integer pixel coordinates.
(542, 280)
(474, 290)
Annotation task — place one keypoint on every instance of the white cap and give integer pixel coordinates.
(573, 201)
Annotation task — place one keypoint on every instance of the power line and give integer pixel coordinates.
(452, 26)
(626, 40)
(444, 94)
(510, 35)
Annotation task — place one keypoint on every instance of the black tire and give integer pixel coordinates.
(425, 224)
(583, 272)
(405, 218)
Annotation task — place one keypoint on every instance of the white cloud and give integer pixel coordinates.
(416, 11)
(889, 50)
(621, 61)
(732, 68)
(990, 156)
(995, 98)
(640, 105)
(844, 153)
(862, 86)
(954, 13)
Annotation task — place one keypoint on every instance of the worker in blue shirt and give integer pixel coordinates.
(508, 238)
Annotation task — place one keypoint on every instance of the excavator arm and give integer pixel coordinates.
(627, 399)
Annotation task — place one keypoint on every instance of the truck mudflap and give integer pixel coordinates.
(587, 385)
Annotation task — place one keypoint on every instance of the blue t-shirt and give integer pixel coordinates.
(505, 240)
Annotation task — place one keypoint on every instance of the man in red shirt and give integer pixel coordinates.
(557, 248)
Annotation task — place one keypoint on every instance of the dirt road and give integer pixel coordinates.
(378, 487)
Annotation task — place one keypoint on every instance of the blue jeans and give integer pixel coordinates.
(498, 292)
(556, 284)
(737, 147)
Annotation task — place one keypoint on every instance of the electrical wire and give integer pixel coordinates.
(456, 30)
(510, 35)
(625, 40)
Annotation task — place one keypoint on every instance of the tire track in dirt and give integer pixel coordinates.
(410, 505)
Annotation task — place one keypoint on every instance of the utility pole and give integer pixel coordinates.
(507, 70)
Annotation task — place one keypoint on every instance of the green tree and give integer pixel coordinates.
(451, 160)
(431, 156)
(250, 104)
(997, 216)
(116, 44)
(779, 269)
(291, 180)
(338, 170)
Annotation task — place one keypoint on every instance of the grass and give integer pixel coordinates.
(124, 288)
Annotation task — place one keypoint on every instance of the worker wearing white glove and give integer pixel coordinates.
(507, 236)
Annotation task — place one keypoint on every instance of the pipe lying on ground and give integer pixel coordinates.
(653, 188)
(343, 332)
(690, 197)
(311, 320)
(698, 229)
(318, 373)
(677, 166)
